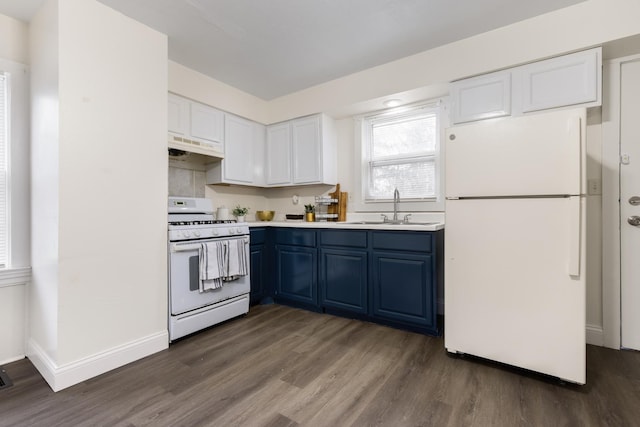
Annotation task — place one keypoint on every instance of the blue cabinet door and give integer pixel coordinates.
(296, 274)
(258, 273)
(344, 279)
(403, 288)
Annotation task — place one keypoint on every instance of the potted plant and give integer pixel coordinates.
(240, 213)
(310, 213)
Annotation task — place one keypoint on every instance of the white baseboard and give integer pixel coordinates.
(595, 335)
(61, 377)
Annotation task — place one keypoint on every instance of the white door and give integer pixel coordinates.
(629, 188)
(545, 151)
(514, 283)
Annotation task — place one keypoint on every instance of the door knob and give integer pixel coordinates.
(634, 220)
(634, 200)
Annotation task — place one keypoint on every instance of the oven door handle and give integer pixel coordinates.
(177, 247)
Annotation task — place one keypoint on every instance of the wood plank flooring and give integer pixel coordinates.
(281, 366)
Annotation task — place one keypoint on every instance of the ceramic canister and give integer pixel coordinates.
(222, 213)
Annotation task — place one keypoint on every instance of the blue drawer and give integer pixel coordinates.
(419, 241)
(295, 237)
(348, 238)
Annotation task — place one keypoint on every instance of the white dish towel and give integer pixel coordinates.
(237, 264)
(213, 265)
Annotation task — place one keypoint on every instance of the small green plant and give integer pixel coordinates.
(240, 211)
(309, 208)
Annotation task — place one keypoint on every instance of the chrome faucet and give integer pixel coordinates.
(396, 201)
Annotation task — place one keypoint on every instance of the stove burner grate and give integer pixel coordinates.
(204, 222)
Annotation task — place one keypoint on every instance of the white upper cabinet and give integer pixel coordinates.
(558, 82)
(244, 154)
(192, 124)
(278, 154)
(178, 115)
(207, 124)
(481, 97)
(569, 80)
(301, 151)
(306, 149)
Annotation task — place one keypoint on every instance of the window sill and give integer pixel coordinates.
(15, 276)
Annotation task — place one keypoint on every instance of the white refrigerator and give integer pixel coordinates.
(515, 242)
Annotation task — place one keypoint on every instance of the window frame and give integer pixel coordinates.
(363, 136)
(18, 172)
(5, 164)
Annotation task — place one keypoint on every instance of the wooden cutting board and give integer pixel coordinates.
(340, 207)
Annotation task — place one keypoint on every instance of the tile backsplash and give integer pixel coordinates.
(186, 182)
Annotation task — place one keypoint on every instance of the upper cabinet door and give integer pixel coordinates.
(239, 150)
(481, 97)
(558, 82)
(306, 142)
(207, 124)
(178, 110)
(243, 162)
(569, 80)
(278, 154)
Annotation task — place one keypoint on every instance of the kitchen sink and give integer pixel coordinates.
(390, 223)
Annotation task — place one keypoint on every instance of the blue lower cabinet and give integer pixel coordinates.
(403, 288)
(258, 273)
(259, 253)
(388, 277)
(296, 275)
(344, 279)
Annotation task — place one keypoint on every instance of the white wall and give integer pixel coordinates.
(14, 40)
(13, 316)
(595, 333)
(99, 295)
(43, 295)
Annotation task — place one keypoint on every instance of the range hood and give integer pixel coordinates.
(178, 144)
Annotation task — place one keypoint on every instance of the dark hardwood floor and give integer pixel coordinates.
(280, 366)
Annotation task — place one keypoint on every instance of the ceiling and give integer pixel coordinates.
(276, 47)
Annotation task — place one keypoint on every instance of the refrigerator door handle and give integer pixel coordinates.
(574, 235)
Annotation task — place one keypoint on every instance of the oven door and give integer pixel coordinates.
(184, 293)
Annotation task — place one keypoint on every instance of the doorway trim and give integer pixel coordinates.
(611, 256)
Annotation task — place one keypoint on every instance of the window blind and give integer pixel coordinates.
(402, 154)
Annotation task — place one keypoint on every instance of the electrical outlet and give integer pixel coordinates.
(594, 187)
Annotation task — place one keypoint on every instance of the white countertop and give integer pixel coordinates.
(349, 225)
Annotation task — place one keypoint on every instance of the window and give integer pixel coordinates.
(400, 149)
(4, 136)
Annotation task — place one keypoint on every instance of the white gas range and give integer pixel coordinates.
(191, 225)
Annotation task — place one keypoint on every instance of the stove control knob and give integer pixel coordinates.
(196, 233)
(214, 232)
(186, 234)
(231, 230)
(238, 230)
